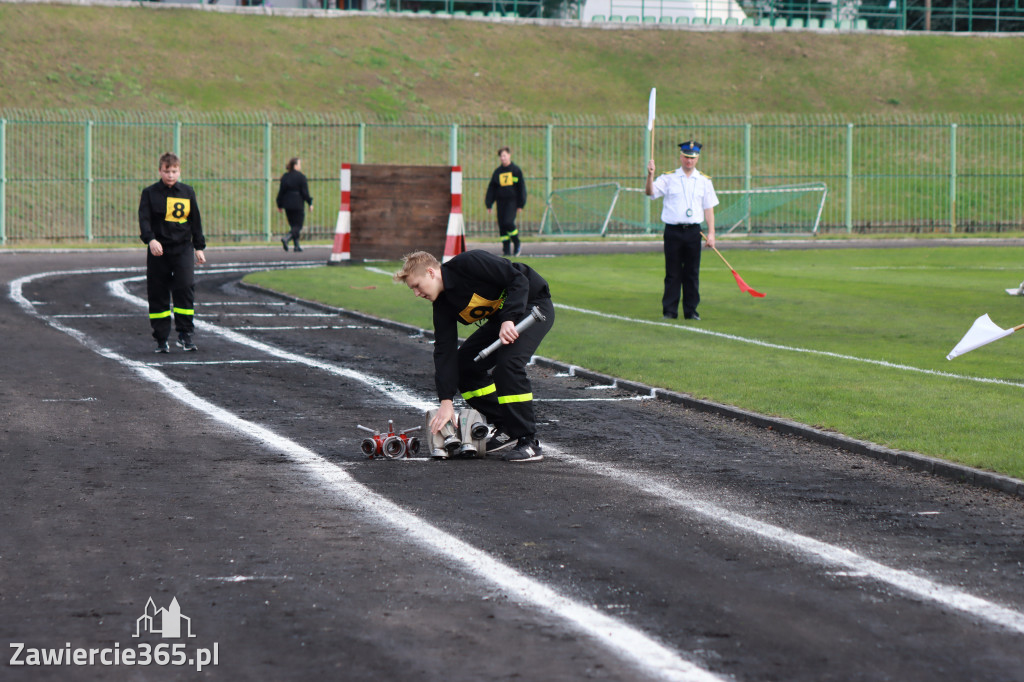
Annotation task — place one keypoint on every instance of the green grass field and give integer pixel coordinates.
(850, 340)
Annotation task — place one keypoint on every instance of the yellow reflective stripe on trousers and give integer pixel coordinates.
(521, 398)
(486, 390)
(157, 316)
(184, 311)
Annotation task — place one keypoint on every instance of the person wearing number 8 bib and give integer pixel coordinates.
(690, 199)
(171, 226)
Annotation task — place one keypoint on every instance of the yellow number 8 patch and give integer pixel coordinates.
(177, 210)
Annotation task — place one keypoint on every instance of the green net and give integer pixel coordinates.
(610, 209)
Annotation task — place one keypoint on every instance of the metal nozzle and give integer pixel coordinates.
(394, 447)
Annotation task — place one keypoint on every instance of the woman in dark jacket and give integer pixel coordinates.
(290, 197)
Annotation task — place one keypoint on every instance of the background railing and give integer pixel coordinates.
(75, 176)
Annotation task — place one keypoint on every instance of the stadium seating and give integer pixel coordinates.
(615, 17)
(632, 19)
(665, 20)
(682, 20)
(599, 17)
(650, 20)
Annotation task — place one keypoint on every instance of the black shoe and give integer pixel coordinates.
(499, 440)
(519, 250)
(162, 347)
(526, 450)
(670, 316)
(284, 243)
(298, 249)
(694, 316)
(185, 341)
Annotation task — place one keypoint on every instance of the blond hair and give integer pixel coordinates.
(414, 263)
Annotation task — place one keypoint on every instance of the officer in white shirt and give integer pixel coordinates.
(689, 200)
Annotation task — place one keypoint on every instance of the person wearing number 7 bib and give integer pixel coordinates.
(172, 228)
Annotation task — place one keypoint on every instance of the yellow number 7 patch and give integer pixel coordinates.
(177, 210)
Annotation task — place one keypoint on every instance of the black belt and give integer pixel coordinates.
(683, 225)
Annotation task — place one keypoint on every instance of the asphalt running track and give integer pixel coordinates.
(653, 542)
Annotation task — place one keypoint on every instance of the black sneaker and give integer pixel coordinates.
(284, 243)
(519, 250)
(499, 440)
(527, 449)
(185, 341)
(162, 347)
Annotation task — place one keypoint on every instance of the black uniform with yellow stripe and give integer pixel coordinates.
(507, 188)
(483, 288)
(171, 216)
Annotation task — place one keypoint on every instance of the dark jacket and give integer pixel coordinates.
(478, 286)
(507, 186)
(171, 216)
(293, 191)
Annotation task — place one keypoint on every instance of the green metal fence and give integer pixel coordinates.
(77, 177)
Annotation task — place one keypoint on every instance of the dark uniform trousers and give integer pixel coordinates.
(171, 277)
(682, 269)
(504, 395)
(507, 211)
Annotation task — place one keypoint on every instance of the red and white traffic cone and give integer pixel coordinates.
(455, 242)
(341, 252)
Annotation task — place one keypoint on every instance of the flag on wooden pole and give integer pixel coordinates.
(983, 331)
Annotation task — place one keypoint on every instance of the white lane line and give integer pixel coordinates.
(775, 346)
(627, 642)
(825, 553)
(78, 316)
(808, 547)
(627, 398)
(257, 304)
(272, 314)
(173, 363)
(319, 327)
(793, 349)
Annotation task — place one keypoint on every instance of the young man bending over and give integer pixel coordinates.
(477, 287)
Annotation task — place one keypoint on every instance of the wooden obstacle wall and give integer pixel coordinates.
(399, 209)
